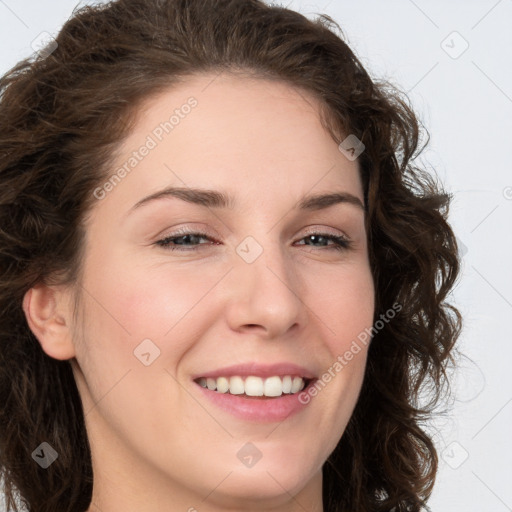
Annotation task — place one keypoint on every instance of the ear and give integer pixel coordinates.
(48, 316)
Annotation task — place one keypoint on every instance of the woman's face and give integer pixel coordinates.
(263, 293)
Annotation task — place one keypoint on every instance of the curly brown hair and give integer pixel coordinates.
(63, 115)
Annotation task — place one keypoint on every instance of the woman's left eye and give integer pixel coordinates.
(339, 242)
(190, 240)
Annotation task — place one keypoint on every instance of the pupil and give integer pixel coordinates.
(314, 238)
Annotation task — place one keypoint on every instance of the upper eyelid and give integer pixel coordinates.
(198, 231)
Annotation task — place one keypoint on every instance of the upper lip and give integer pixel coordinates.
(258, 370)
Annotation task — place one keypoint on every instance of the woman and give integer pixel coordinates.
(223, 282)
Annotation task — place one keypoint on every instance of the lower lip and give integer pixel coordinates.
(257, 409)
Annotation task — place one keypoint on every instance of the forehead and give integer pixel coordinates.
(251, 137)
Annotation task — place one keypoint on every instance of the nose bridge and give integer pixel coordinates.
(266, 290)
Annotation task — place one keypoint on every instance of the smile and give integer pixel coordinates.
(254, 386)
(256, 392)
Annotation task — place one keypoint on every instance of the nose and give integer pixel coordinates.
(264, 295)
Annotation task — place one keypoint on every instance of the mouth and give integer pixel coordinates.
(255, 387)
(255, 392)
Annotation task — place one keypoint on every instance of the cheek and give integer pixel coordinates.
(141, 300)
(127, 305)
(164, 302)
(343, 301)
(345, 308)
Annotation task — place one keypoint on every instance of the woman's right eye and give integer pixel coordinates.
(172, 243)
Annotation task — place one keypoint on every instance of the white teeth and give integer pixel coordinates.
(236, 386)
(287, 384)
(254, 386)
(273, 386)
(222, 385)
(297, 384)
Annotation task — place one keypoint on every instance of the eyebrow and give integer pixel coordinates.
(216, 199)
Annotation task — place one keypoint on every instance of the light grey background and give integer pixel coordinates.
(464, 98)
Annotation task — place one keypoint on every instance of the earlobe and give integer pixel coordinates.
(46, 315)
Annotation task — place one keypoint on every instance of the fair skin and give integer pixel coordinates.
(158, 443)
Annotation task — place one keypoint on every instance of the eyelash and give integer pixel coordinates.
(341, 243)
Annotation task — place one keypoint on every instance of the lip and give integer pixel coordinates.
(256, 409)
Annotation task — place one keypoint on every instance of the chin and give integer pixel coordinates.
(271, 479)
(261, 486)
